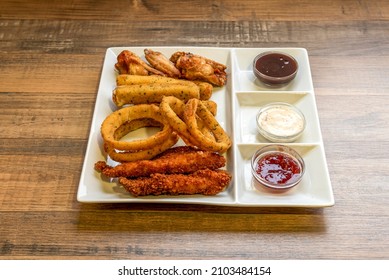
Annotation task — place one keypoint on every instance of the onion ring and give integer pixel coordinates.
(125, 156)
(172, 109)
(128, 114)
(222, 141)
(127, 127)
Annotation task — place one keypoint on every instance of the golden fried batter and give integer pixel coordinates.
(205, 182)
(183, 159)
(129, 63)
(161, 63)
(196, 67)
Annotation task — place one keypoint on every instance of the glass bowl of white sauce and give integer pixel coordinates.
(280, 122)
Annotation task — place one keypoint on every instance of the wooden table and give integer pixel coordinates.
(51, 55)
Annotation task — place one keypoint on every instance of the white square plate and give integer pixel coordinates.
(237, 102)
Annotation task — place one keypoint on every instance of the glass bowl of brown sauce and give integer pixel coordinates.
(275, 68)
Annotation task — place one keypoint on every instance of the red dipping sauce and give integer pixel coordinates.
(278, 168)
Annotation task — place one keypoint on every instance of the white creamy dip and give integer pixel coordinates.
(280, 120)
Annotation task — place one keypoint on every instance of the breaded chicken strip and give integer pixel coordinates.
(182, 159)
(205, 182)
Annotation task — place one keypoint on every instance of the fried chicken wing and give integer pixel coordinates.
(161, 63)
(196, 67)
(182, 159)
(205, 182)
(129, 63)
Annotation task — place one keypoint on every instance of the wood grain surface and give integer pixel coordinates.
(51, 55)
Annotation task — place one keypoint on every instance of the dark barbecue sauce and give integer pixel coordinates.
(278, 168)
(276, 65)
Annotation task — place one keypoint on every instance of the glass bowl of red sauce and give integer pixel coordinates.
(277, 167)
(275, 68)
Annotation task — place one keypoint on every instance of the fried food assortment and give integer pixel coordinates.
(173, 97)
